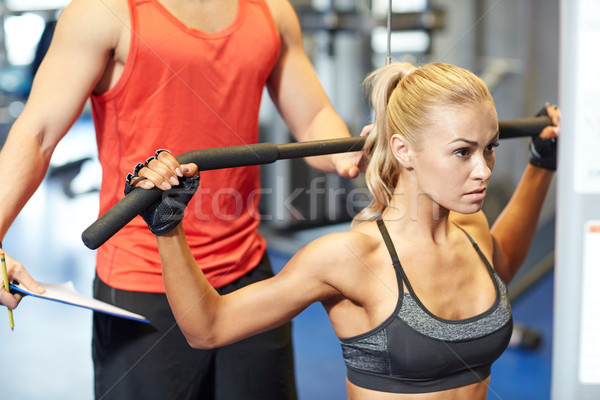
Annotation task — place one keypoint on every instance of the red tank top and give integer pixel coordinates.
(182, 89)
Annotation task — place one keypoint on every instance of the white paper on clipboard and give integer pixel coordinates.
(67, 294)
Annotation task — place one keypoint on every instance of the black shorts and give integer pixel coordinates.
(135, 360)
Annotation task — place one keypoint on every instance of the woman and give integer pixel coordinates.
(416, 289)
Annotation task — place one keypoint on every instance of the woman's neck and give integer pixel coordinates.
(415, 212)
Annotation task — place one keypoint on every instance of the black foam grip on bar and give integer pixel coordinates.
(256, 154)
(231, 157)
(208, 159)
(523, 127)
(131, 205)
(320, 147)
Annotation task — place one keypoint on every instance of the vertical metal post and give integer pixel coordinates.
(576, 347)
(388, 55)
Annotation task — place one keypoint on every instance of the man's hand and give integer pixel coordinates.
(349, 165)
(16, 272)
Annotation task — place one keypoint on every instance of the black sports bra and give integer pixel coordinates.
(414, 351)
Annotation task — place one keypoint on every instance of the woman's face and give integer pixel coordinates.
(455, 160)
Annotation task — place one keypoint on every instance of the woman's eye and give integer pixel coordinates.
(490, 147)
(462, 152)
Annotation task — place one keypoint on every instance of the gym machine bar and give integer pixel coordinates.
(256, 154)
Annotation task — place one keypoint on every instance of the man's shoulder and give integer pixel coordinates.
(98, 23)
(105, 11)
(282, 12)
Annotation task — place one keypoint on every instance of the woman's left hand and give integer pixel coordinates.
(543, 146)
(551, 132)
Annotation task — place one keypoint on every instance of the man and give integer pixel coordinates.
(180, 75)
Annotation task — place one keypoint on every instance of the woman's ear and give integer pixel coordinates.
(401, 150)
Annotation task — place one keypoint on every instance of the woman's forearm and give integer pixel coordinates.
(515, 227)
(193, 300)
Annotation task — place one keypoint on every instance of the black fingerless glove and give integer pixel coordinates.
(543, 151)
(166, 213)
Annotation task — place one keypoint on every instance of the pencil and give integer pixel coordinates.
(11, 321)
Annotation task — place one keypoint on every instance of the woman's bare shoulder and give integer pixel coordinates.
(343, 247)
(477, 226)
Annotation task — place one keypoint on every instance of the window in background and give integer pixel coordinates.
(22, 35)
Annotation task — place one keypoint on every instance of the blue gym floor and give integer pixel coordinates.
(48, 354)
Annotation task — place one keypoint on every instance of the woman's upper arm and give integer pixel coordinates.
(501, 262)
(272, 302)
